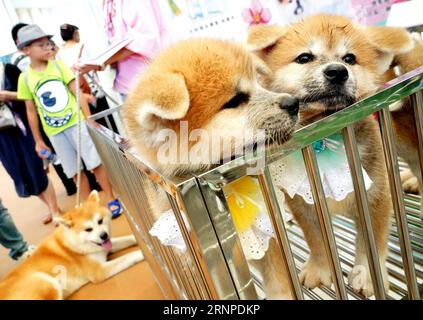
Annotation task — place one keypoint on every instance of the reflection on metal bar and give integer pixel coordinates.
(275, 215)
(219, 269)
(417, 102)
(324, 221)
(208, 291)
(109, 125)
(398, 200)
(217, 206)
(105, 113)
(364, 216)
(120, 183)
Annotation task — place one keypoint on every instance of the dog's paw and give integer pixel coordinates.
(132, 240)
(361, 282)
(314, 274)
(286, 295)
(409, 181)
(137, 256)
(411, 185)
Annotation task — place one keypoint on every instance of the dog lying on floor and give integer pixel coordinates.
(210, 86)
(328, 63)
(74, 255)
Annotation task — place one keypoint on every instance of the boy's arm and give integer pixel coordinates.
(35, 128)
(83, 101)
(6, 95)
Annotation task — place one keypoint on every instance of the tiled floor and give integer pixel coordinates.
(135, 283)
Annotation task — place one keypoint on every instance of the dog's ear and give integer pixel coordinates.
(261, 67)
(94, 196)
(63, 220)
(163, 94)
(413, 59)
(390, 42)
(263, 37)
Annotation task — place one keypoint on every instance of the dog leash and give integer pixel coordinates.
(78, 140)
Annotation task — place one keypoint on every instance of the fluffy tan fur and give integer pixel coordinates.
(191, 82)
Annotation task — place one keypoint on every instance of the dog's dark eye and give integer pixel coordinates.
(240, 98)
(350, 59)
(89, 229)
(304, 58)
(100, 221)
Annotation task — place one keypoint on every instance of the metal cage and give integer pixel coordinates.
(214, 265)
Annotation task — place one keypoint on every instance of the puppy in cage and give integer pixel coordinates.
(196, 97)
(328, 63)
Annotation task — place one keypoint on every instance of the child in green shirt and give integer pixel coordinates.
(48, 87)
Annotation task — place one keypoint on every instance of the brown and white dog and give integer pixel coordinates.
(74, 255)
(206, 86)
(328, 63)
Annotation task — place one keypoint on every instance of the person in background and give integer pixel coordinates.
(11, 238)
(17, 148)
(142, 21)
(48, 87)
(71, 51)
(22, 61)
(19, 59)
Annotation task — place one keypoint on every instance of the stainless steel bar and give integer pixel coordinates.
(364, 216)
(211, 254)
(340, 233)
(417, 102)
(191, 291)
(109, 125)
(208, 288)
(122, 184)
(105, 113)
(348, 262)
(275, 214)
(322, 212)
(391, 157)
(301, 256)
(130, 187)
(219, 213)
(136, 196)
(165, 284)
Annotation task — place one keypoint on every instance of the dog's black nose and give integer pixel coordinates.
(336, 73)
(104, 236)
(290, 104)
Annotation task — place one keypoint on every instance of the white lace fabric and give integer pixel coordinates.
(291, 176)
(254, 241)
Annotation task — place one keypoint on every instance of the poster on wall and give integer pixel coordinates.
(205, 18)
(231, 19)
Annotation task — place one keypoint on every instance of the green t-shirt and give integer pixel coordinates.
(49, 89)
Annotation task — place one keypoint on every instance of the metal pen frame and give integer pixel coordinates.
(219, 267)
